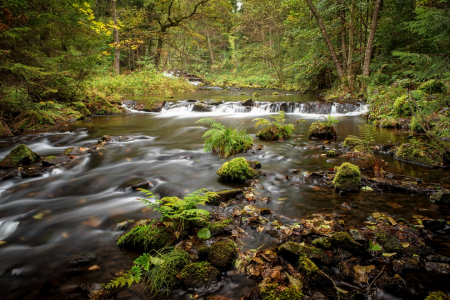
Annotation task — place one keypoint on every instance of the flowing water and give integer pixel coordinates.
(75, 208)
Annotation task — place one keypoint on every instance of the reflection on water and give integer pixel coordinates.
(75, 208)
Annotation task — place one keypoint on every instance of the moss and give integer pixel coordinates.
(420, 154)
(433, 86)
(347, 178)
(220, 255)
(272, 292)
(215, 198)
(441, 197)
(344, 241)
(218, 227)
(274, 133)
(275, 93)
(197, 275)
(323, 242)
(308, 268)
(145, 235)
(353, 141)
(390, 123)
(255, 164)
(237, 169)
(415, 126)
(437, 296)
(322, 130)
(4, 130)
(331, 153)
(81, 108)
(401, 107)
(295, 249)
(21, 155)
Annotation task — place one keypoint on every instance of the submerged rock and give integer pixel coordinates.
(220, 255)
(19, 156)
(419, 154)
(54, 160)
(73, 151)
(200, 276)
(237, 170)
(322, 131)
(135, 184)
(82, 259)
(348, 177)
(9, 173)
(215, 198)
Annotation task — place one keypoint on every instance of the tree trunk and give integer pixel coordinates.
(158, 51)
(373, 28)
(116, 40)
(327, 39)
(350, 46)
(211, 52)
(343, 38)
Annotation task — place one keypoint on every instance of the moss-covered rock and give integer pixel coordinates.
(271, 291)
(237, 170)
(145, 236)
(215, 198)
(274, 133)
(391, 244)
(291, 249)
(54, 160)
(437, 296)
(390, 123)
(323, 242)
(331, 153)
(199, 275)
(81, 108)
(354, 142)
(21, 155)
(344, 241)
(150, 105)
(322, 131)
(347, 178)
(308, 268)
(220, 255)
(255, 164)
(74, 151)
(420, 154)
(218, 227)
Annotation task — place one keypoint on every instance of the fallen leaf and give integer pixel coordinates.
(406, 245)
(94, 268)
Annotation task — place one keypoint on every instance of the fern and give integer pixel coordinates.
(224, 140)
(134, 275)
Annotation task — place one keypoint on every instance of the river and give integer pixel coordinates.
(75, 208)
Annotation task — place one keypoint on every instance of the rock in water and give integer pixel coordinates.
(237, 170)
(21, 155)
(322, 131)
(248, 102)
(200, 276)
(348, 177)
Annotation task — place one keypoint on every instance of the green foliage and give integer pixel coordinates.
(277, 129)
(145, 236)
(204, 233)
(367, 134)
(237, 169)
(158, 271)
(179, 216)
(415, 125)
(330, 121)
(223, 140)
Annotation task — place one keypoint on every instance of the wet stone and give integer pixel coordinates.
(9, 173)
(135, 184)
(54, 160)
(248, 102)
(73, 151)
(440, 268)
(31, 173)
(434, 225)
(82, 259)
(386, 281)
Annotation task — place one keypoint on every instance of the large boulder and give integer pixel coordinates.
(150, 105)
(236, 170)
(19, 156)
(347, 178)
(322, 131)
(419, 154)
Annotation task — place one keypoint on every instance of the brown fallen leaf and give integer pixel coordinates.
(94, 268)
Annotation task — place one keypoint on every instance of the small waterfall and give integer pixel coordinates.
(307, 109)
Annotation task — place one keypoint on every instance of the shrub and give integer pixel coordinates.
(237, 169)
(433, 86)
(277, 129)
(223, 140)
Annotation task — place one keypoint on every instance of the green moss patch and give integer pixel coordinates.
(220, 255)
(218, 227)
(146, 236)
(237, 170)
(420, 154)
(21, 155)
(390, 123)
(344, 241)
(198, 275)
(215, 198)
(322, 131)
(353, 141)
(347, 178)
(273, 133)
(272, 291)
(415, 126)
(295, 249)
(437, 296)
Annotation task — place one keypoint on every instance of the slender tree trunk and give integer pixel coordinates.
(159, 46)
(211, 52)
(327, 39)
(350, 45)
(343, 38)
(373, 28)
(116, 40)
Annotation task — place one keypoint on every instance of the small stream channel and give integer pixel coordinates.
(76, 207)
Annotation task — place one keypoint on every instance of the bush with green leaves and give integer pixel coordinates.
(237, 170)
(275, 129)
(223, 140)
